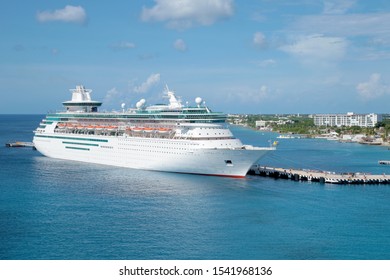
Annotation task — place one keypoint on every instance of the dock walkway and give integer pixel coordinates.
(18, 144)
(318, 176)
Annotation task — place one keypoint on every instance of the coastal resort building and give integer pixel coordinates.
(349, 119)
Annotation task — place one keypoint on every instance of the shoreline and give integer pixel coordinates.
(329, 137)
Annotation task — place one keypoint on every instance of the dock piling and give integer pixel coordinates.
(318, 176)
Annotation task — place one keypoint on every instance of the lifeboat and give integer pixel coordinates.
(99, 127)
(90, 127)
(163, 130)
(137, 129)
(111, 127)
(148, 129)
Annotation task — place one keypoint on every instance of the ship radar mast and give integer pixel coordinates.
(80, 93)
(174, 102)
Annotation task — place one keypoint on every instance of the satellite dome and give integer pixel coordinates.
(198, 100)
(123, 105)
(140, 104)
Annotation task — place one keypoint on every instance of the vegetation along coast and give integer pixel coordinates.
(369, 129)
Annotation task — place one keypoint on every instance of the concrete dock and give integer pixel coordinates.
(318, 176)
(18, 144)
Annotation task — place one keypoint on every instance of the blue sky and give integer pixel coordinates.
(252, 56)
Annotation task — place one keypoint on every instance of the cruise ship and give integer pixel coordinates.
(168, 137)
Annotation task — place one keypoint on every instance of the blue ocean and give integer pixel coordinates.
(55, 209)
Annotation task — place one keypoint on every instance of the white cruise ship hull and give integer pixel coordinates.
(170, 155)
(171, 137)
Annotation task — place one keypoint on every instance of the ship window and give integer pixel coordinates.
(228, 162)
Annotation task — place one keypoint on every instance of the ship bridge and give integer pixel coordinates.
(81, 101)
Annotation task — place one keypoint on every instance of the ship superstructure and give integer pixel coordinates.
(167, 137)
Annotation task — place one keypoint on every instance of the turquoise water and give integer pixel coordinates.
(54, 209)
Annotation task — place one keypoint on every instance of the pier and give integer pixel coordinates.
(318, 176)
(19, 144)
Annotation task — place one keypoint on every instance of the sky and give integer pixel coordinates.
(240, 56)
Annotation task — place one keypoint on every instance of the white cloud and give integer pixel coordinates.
(368, 24)
(113, 98)
(180, 45)
(374, 88)
(111, 94)
(186, 13)
(259, 40)
(259, 17)
(266, 63)
(317, 48)
(337, 6)
(263, 92)
(367, 34)
(248, 96)
(74, 14)
(122, 46)
(150, 82)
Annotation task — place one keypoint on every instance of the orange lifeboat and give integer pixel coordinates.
(163, 130)
(149, 129)
(111, 127)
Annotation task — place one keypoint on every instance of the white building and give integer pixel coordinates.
(261, 124)
(349, 119)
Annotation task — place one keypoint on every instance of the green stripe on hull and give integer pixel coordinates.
(77, 148)
(72, 138)
(76, 143)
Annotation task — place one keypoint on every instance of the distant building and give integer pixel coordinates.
(261, 124)
(267, 125)
(349, 119)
